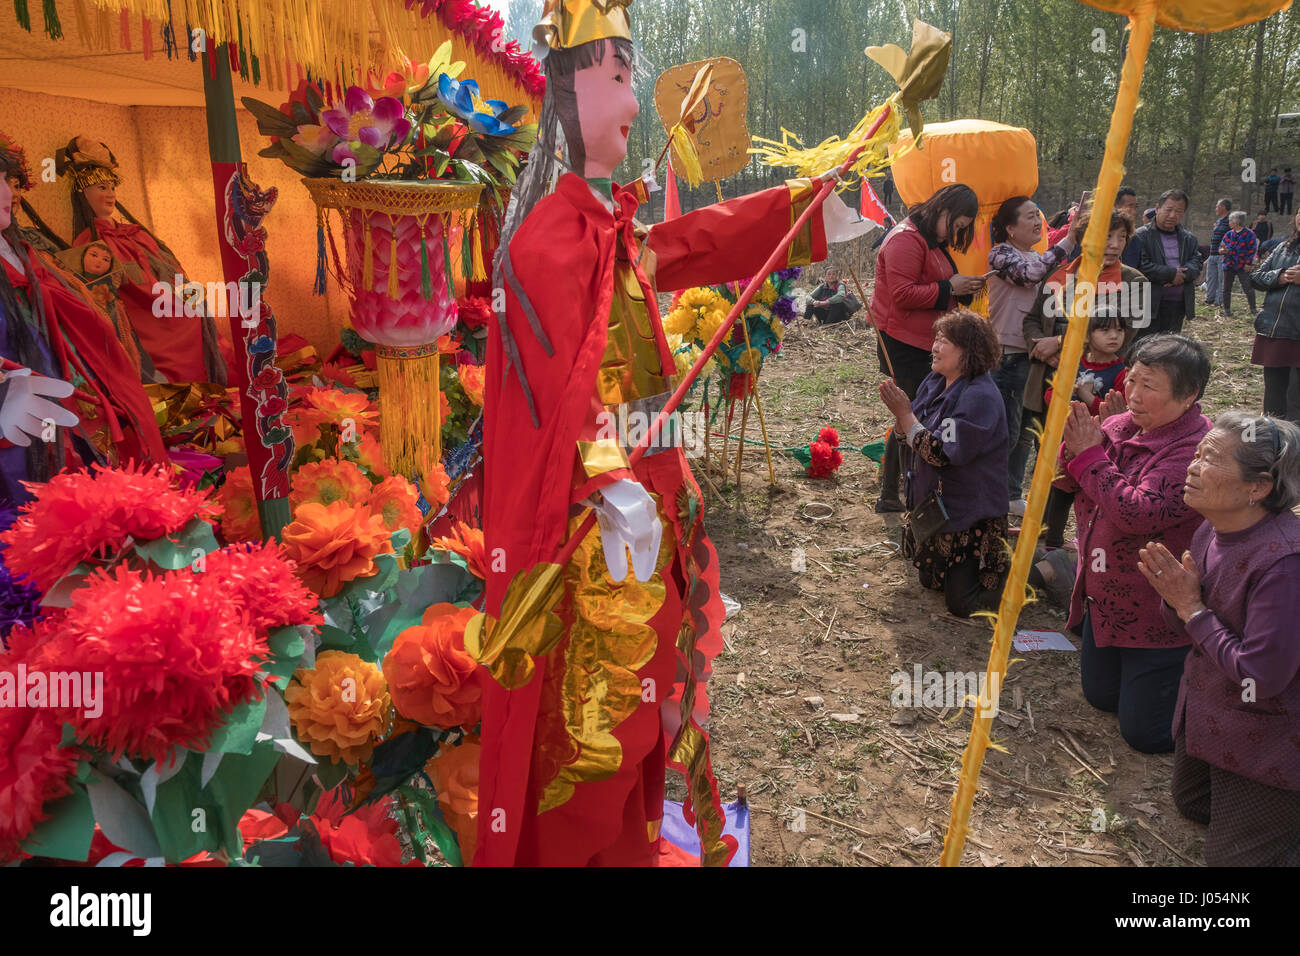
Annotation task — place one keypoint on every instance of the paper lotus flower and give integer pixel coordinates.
(316, 139)
(380, 123)
(461, 99)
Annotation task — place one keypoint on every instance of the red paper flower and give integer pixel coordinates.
(175, 651)
(34, 772)
(81, 514)
(830, 436)
(475, 311)
(261, 580)
(825, 460)
(364, 837)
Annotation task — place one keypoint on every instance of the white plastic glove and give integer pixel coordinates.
(27, 407)
(629, 520)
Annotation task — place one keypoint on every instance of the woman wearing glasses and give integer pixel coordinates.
(1234, 595)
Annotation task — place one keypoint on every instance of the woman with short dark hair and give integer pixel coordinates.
(1234, 596)
(916, 283)
(1128, 472)
(956, 527)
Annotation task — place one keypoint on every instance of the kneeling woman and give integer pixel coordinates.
(1237, 724)
(957, 432)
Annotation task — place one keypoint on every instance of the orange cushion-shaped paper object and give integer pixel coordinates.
(996, 161)
(1199, 16)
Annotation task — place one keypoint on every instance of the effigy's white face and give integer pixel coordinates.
(607, 106)
(103, 200)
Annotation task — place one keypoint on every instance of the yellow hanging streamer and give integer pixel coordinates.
(393, 291)
(1013, 595)
(410, 413)
(367, 256)
(479, 273)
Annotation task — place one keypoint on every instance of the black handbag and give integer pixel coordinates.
(928, 518)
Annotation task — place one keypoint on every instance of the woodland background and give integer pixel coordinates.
(1208, 101)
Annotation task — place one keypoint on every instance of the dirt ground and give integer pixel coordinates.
(851, 780)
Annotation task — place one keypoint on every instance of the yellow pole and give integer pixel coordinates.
(1141, 24)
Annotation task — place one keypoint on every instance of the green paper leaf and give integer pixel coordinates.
(66, 835)
(399, 539)
(287, 646)
(432, 819)
(803, 455)
(123, 819)
(177, 551)
(875, 451)
(239, 732)
(235, 787)
(60, 593)
(330, 773)
(397, 760)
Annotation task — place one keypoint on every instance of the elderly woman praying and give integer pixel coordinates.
(1233, 594)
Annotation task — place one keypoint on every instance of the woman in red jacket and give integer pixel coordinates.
(916, 282)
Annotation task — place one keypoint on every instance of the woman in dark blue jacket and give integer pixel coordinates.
(956, 429)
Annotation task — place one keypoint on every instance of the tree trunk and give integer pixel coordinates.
(1252, 131)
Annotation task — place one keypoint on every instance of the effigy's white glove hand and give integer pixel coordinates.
(27, 407)
(628, 520)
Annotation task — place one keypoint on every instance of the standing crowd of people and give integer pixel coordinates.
(1179, 583)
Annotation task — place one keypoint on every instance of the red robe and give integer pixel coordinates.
(563, 257)
(175, 343)
(84, 343)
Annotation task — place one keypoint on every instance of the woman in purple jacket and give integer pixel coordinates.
(1237, 724)
(956, 429)
(1128, 472)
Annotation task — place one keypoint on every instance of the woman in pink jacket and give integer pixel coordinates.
(1128, 472)
(916, 282)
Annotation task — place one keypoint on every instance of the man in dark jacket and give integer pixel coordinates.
(1170, 257)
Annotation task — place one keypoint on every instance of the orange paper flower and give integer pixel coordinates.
(369, 455)
(396, 501)
(337, 407)
(468, 543)
(339, 708)
(433, 485)
(326, 482)
(444, 407)
(239, 518)
(454, 773)
(334, 544)
(472, 380)
(429, 674)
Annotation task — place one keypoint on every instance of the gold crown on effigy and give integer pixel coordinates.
(569, 23)
(87, 163)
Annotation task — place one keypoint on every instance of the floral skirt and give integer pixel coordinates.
(984, 542)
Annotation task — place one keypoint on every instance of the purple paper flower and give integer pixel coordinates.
(785, 275)
(783, 308)
(380, 123)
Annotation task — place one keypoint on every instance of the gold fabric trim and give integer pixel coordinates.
(801, 194)
(601, 456)
(609, 641)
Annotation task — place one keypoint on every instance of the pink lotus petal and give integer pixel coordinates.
(386, 110)
(337, 121)
(401, 129)
(371, 136)
(356, 99)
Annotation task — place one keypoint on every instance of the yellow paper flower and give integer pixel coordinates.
(340, 708)
(766, 293)
(750, 360)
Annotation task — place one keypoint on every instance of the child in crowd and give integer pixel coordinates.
(1101, 373)
(1238, 250)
